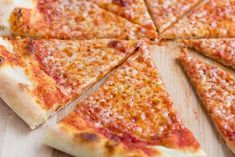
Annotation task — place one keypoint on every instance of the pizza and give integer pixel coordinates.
(73, 19)
(212, 19)
(39, 77)
(7, 6)
(133, 10)
(221, 50)
(216, 89)
(131, 114)
(167, 12)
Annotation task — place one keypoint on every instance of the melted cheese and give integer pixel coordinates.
(133, 107)
(212, 19)
(74, 20)
(216, 88)
(222, 50)
(133, 10)
(166, 12)
(75, 65)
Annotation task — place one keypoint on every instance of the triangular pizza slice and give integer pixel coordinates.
(167, 12)
(133, 10)
(38, 77)
(130, 115)
(211, 19)
(221, 50)
(216, 89)
(73, 19)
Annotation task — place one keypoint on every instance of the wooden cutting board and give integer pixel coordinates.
(16, 139)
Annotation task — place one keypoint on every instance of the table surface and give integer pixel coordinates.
(16, 139)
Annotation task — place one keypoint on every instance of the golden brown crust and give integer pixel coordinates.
(80, 143)
(16, 94)
(7, 6)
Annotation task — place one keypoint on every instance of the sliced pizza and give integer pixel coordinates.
(133, 10)
(211, 19)
(221, 50)
(216, 89)
(38, 77)
(167, 12)
(130, 115)
(73, 19)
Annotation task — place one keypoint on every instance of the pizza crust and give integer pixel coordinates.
(69, 140)
(86, 143)
(7, 6)
(15, 92)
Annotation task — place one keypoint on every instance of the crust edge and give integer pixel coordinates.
(20, 100)
(61, 137)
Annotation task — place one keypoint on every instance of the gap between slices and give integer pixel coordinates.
(211, 19)
(130, 115)
(133, 10)
(38, 77)
(165, 13)
(216, 89)
(73, 20)
(221, 50)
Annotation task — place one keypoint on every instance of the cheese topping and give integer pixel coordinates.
(133, 107)
(166, 12)
(222, 50)
(63, 19)
(62, 70)
(216, 88)
(133, 10)
(215, 18)
(77, 65)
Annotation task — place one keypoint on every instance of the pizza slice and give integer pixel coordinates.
(211, 19)
(133, 10)
(73, 19)
(216, 89)
(167, 12)
(39, 77)
(221, 50)
(130, 115)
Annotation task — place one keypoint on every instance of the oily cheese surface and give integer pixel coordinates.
(57, 71)
(211, 19)
(147, 119)
(167, 12)
(180, 90)
(221, 50)
(73, 20)
(215, 88)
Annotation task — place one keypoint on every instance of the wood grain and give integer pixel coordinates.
(16, 139)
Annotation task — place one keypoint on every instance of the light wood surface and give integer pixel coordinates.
(16, 139)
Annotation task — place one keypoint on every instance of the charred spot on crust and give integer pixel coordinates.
(87, 137)
(1, 60)
(118, 45)
(30, 46)
(123, 3)
(110, 146)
